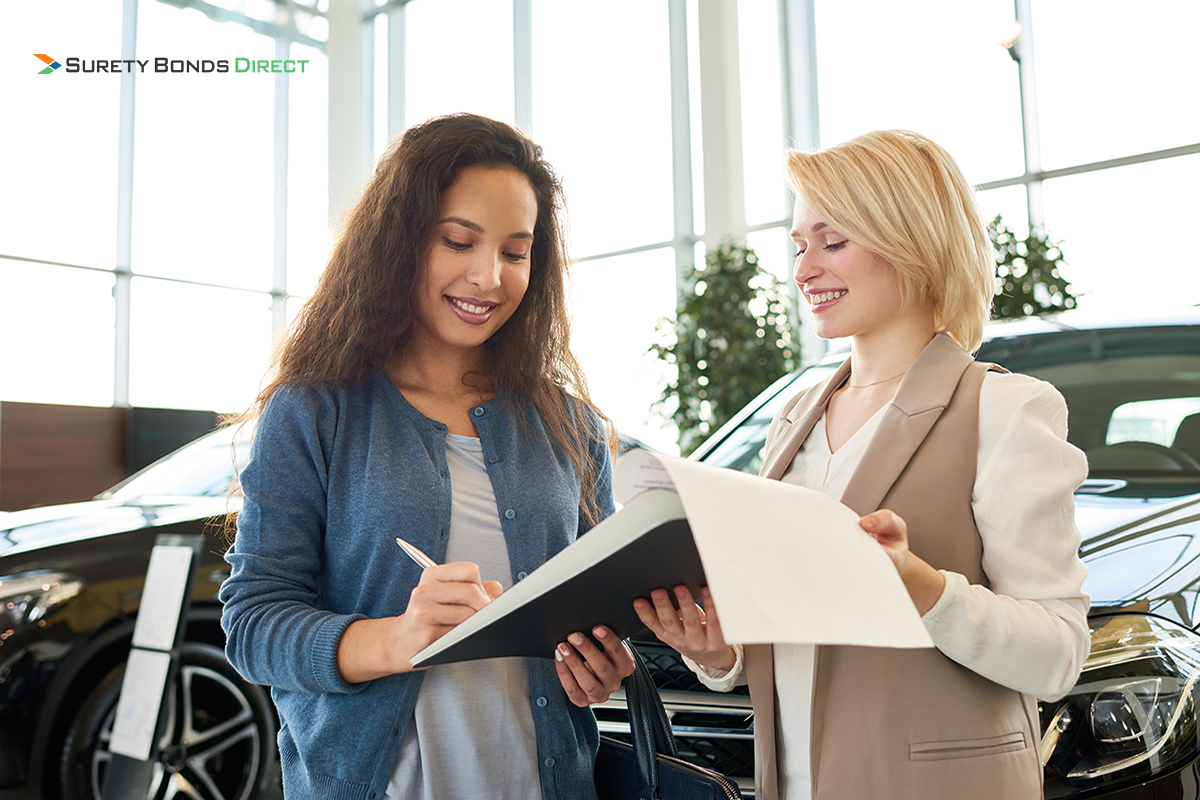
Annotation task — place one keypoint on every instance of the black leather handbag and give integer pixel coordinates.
(650, 768)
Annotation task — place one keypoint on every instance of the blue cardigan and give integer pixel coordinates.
(334, 476)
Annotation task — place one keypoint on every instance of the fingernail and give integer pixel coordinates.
(562, 650)
(575, 639)
(557, 654)
(599, 632)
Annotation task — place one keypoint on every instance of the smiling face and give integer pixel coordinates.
(851, 291)
(477, 267)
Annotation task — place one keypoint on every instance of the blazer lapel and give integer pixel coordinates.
(920, 399)
(798, 422)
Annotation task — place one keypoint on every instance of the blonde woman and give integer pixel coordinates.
(962, 473)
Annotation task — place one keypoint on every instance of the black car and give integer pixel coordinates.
(71, 579)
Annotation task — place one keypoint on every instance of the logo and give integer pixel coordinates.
(113, 66)
(53, 64)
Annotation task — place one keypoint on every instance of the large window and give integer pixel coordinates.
(56, 325)
(605, 120)
(934, 66)
(159, 229)
(59, 137)
(618, 181)
(165, 196)
(1113, 80)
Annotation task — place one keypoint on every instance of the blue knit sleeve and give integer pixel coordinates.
(276, 632)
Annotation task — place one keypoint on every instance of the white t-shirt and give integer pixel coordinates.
(1029, 631)
(472, 731)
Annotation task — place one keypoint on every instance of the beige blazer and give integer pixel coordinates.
(891, 723)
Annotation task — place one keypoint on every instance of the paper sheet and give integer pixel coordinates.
(783, 563)
(137, 708)
(162, 597)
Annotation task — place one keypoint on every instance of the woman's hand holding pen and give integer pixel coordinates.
(444, 597)
(693, 631)
(924, 583)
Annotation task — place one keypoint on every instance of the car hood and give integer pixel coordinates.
(1142, 548)
(1141, 543)
(75, 522)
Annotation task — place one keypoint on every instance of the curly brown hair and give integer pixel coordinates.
(364, 307)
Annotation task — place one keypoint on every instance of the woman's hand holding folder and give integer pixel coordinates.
(693, 631)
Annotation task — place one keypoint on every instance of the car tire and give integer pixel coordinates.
(221, 747)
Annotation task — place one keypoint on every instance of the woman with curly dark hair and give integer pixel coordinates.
(427, 392)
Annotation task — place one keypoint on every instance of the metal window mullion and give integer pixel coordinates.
(366, 50)
(122, 286)
(1029, 114)
(801, 118)
(798, 56)
(1095, 166)
(523, 64)
(109, 271)
(681, 142)
(271, 29)
(397, 70)
(279, 249)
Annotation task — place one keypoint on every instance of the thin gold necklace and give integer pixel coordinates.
(874, 383)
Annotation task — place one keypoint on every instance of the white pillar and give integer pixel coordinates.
(349, 160)
(721, 123)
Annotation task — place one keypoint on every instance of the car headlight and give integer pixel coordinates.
(1132, 715)
(30, 597)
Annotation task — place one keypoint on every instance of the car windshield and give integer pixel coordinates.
(204, 468)
(1133, 396)
(741, 442)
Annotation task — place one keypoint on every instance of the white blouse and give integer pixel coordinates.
(1029, 631)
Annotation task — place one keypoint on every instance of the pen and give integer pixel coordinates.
(415, 554)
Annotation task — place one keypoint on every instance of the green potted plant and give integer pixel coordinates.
(1028, 283)
(731, 337)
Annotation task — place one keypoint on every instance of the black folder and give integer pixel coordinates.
(645, 545)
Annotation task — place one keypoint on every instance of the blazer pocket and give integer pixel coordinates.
(967, 748)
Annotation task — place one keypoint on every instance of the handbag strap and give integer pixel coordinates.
(648, 724)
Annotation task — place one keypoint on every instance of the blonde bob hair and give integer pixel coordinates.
(902, 197)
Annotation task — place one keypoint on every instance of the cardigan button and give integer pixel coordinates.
(522, 575)
(549, 762)
(509, 514)
(541, 701)
(477, 411)
(493, 459)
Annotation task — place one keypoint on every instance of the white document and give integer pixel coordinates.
(783, 563)
(162, 597)
(137, 708)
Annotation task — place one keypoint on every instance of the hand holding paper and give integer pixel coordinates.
(924, 583)
(783, 563)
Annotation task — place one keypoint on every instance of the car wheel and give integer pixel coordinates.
(220, 743)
